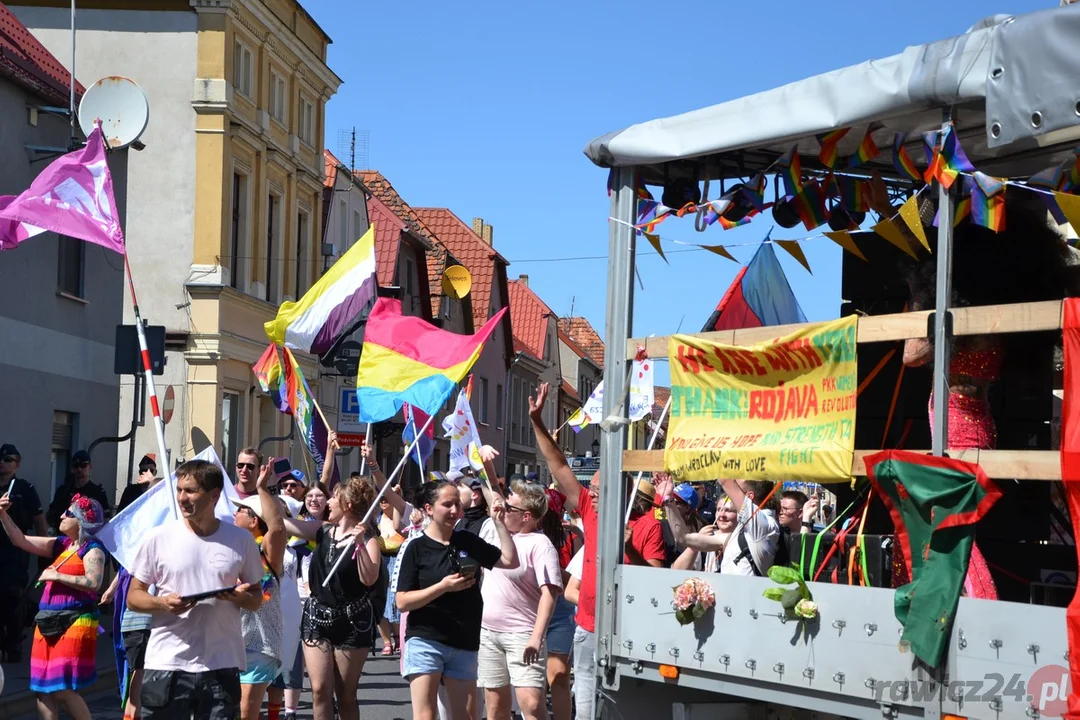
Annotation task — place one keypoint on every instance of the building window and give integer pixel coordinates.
(238, 231)
(303, 253)
(482, 415)
(407, 281)
(242, 75)
(307, 121)
(499, 400)
(231, 430)
(273, 260)
(278, 106)
(71, 261)
(63, 440)
(357, 227)
(343, 222)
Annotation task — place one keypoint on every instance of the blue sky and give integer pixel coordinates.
(487, 111)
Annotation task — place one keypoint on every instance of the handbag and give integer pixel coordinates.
(54, 623)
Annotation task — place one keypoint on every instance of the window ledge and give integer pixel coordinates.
(75, 298)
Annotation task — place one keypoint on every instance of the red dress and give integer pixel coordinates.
(971, 427)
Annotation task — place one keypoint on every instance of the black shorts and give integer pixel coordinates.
(350, 626)
(178, 695)
(135, 647)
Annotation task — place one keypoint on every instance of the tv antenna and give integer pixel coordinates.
(120, 105)
(356, 145)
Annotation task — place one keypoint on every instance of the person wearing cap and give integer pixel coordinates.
(63, 658)
(263, 628)
(683, 501)
(643, 540)
(25, 511)
(143, 482)
(293, 489)
(77, 482)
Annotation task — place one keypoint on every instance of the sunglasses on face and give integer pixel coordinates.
(290, 485)
(69, 514)
(9, 458)
(513, 508)
(241, 466)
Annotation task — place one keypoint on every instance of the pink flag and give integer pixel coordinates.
(73, 196)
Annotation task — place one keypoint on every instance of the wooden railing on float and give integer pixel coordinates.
(986, 320)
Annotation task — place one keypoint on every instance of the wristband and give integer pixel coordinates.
(808, 524)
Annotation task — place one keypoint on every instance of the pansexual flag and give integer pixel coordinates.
(407, 360)
(271, 379)
(328, 309)
(759, 296)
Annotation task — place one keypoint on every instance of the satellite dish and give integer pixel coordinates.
(456, 281)
(121, 107)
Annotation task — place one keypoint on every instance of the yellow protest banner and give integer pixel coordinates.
(781, 411)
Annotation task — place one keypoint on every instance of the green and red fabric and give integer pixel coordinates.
(1070, 475)
(935, 503)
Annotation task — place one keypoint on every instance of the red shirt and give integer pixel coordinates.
(586, 609)
(648, 538)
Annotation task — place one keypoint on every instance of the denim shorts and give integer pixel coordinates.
(261, 669)
(426, 657)
(560, 632)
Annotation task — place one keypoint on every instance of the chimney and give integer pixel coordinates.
(524, 280)
(483, 230)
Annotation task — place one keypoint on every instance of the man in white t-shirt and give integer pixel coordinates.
(752, 547)
(196, 650)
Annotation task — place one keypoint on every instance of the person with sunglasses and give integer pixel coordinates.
(437, 587)
(25, 512)
(77, 483)
(248, 463)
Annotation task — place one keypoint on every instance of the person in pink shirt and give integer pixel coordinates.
(518, 604)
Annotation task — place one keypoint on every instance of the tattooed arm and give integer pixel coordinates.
(90, 580)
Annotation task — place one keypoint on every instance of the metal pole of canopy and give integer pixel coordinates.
(943, 330)
(617, 329)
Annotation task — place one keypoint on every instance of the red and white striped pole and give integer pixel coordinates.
(148, 373)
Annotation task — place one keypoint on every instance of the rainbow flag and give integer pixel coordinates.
(810, 205)
(301, 405)
(949, 161)
(853, 194)
(988, 202)
(268, 372)
(902, 160)
(868, 150)
(408, 360)
(791, 170)
(328, 310)
(829, 141)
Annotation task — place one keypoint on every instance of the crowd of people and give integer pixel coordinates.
(484, 586)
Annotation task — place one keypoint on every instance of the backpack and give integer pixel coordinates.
(782, 558)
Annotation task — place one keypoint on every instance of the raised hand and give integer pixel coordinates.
(488, 453)
(497, 509)
(536, 405)
(266, 472)
(332, 442)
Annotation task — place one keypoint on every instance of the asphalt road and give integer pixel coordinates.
(384, 695)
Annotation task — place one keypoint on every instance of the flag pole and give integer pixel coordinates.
(367, 441)
(148, 374)
(311, 395)
(375, 503)
(652, 441)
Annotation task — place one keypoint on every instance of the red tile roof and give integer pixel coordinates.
(331, 167)
(581, 332)
(569, 390)
(660, 398)
(388, 229)
(571, 344)
(529, 318)
(28, 63)
(471, 251)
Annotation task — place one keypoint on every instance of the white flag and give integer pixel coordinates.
(461, 429)
(594, 405)
(123, 535)
(641, 390)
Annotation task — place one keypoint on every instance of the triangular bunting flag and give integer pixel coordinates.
(844, 240)
(909, 211)
(890, 232)
(795, 250)
(654, 240)
(1070, 206)
(719, 250)
(988, 202)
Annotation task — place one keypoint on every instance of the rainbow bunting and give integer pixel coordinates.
(949, 160)
(270, 376)
(868, 150)
(658, 215)
(963, 209)
(408, 360)
(829, 141)
(755, 191)
(853, 194)
(791, 170)
(728, 224)
(930, 141)
(988, 202)
(902, 160)
(810, 205)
